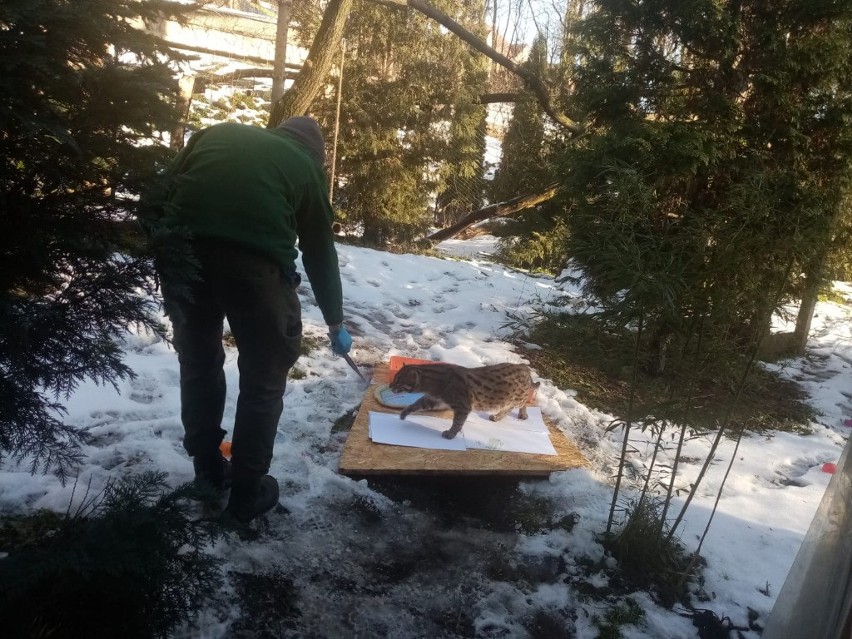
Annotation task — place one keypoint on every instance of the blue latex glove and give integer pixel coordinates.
(341, 341)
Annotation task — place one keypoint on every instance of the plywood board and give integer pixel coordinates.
(363, 457)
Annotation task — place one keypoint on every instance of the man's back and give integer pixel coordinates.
(245, 184)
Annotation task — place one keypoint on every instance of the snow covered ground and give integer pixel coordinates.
(371, 563)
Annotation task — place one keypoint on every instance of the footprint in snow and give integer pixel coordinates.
(144, 389)
(792, 474)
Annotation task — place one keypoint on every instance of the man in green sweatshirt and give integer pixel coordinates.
(247, 195)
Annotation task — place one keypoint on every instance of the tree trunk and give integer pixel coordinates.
(332, 174)
(312, 77)
(500, 209)
(279, 70)
(186, 84)
(806, 309)
(204, 78)
(661, 338)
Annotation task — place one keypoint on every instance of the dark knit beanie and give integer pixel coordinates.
(307, 132)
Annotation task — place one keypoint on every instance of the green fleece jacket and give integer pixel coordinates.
(260, 188)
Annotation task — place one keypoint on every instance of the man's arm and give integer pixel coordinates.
(314, 220)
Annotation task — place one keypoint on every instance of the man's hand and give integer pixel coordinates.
(341, 340)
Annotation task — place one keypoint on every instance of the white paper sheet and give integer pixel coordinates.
(419, 431)
(493, 436)
(534, 422)
(424, 431)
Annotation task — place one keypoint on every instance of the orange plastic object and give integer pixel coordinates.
(531, 396)
(225, 447)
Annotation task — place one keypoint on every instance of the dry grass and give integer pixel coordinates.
(577, 355)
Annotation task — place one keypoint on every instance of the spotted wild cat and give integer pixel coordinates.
(498, 388)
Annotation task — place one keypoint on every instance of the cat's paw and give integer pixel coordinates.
(448, 434)
(493, 418)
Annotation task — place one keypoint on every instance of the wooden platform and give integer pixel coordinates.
(362, 457)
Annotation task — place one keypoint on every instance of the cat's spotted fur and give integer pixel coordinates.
(497, 388)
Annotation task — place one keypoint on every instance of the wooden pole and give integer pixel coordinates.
(186, 84)
(279, 72)
(336, 123)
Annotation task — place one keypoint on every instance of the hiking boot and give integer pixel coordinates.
(212, 472)
(252, 498)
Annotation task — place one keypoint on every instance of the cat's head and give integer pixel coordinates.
(406, 380)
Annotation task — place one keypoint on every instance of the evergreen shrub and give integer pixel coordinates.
(129, 563)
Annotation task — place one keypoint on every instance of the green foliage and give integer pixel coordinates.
(839, 266)
(620, 614)
(75, 116)
(579, 352)
(715, 167)
(269, 605)
(535, 239)
(717, 158)
(461, 182)
(237, 105)
(409, 125)
(605, 363)
(533, 242)
(525, 162)
(129, 563)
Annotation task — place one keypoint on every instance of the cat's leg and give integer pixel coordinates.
(496, 417)
(459, 418)
(522, 413)
(424, 403)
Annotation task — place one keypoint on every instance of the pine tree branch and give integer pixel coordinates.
(500, 209)
(532, 81)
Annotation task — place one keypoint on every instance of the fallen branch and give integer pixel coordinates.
(531, 80)
(221, 53)
(500, 209)
(491, 98)
(210, 77)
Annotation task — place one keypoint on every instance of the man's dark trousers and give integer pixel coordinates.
(263, 311)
